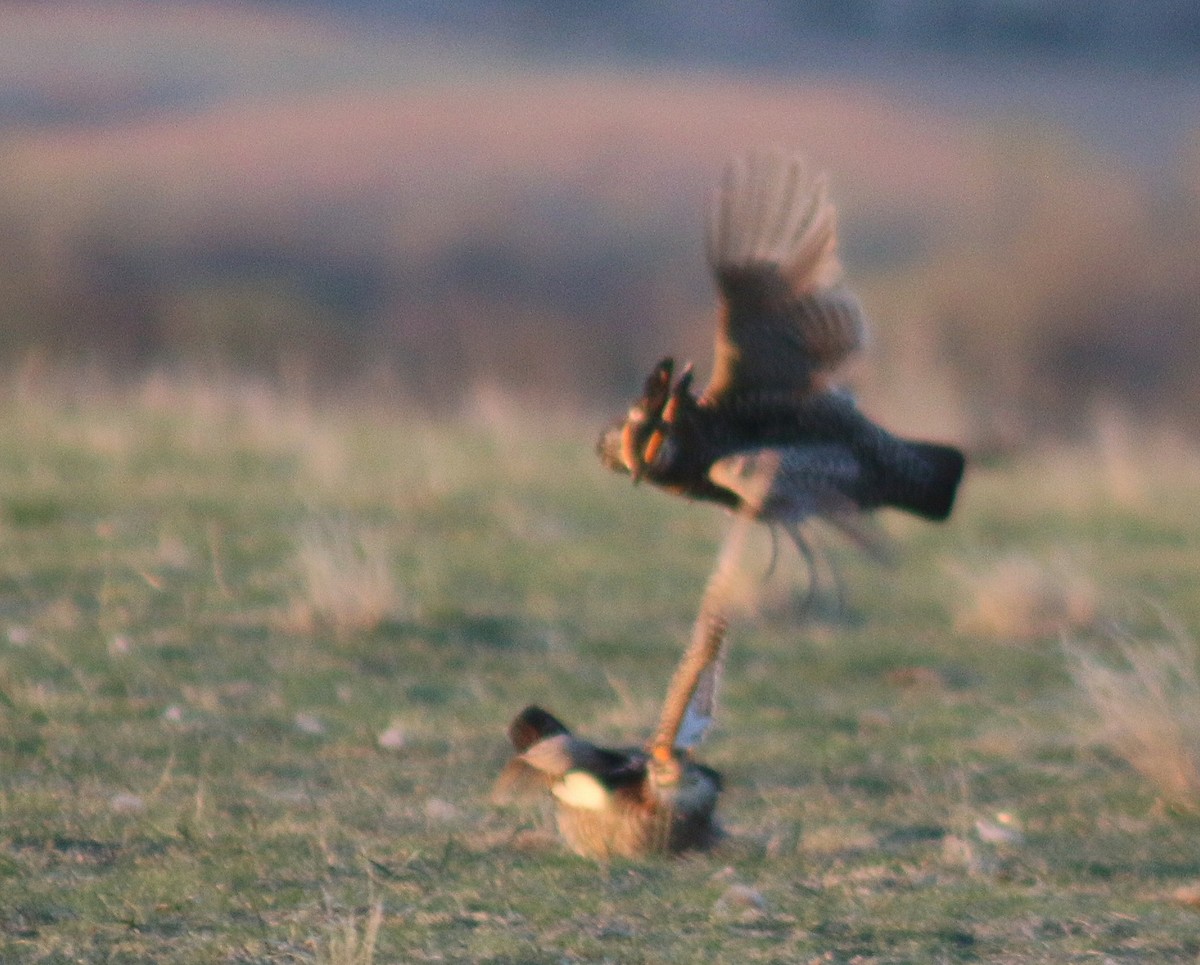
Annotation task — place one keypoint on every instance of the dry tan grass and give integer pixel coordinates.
(877, 824)
(346, 578)
(1147, 711)
(501, 163)
(276, 416)
(1123, 462)
(1021, 598)
(1143, 464)
(346, 945)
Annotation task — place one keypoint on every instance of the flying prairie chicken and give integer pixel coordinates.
(637, 800)
(785, 325)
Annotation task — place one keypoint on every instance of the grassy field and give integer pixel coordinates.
(257, 656)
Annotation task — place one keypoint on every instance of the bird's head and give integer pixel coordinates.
(631, 444)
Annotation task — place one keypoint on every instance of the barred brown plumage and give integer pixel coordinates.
(608, 802)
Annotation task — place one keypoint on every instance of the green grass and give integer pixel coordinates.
(190, 764)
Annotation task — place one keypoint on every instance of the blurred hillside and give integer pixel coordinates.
(254, 189)
(772, 31)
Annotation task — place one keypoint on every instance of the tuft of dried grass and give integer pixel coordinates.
(346, 945)
(1148, 711)
(347, 581)
(1020, 598)
(1122, 462)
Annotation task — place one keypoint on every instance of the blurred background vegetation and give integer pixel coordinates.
(349, 194)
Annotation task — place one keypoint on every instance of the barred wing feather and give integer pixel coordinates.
(785, 315)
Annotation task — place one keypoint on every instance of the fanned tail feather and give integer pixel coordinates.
(925, 479)
(532, 725)
(524, 776)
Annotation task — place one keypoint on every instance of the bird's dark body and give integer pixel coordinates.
(772, 435)
(841, 450)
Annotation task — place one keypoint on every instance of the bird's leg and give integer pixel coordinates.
(813, 559)
(693, 685)
(811, 565)
(667, 767)
(770, 571)
(820, 560)
(839, 588)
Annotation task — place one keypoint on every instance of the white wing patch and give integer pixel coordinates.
(579, 789)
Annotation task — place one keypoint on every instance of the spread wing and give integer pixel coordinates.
(785, 316)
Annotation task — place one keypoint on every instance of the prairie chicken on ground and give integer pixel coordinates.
(625, 802)
(634, 801)
(786, 323)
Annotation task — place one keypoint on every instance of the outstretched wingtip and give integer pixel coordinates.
(772, 246)
(771, 208)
